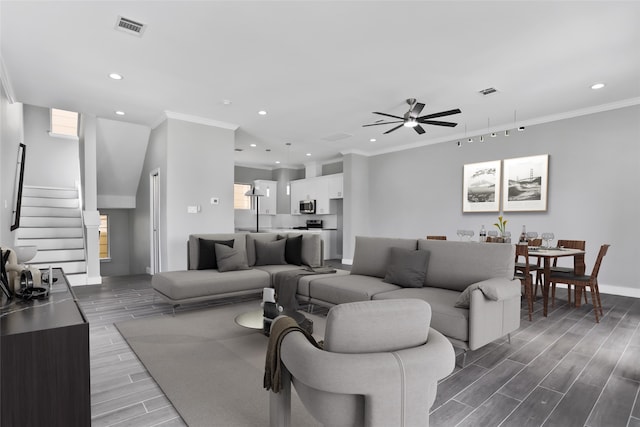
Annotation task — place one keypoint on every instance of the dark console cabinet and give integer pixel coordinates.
(44, 361)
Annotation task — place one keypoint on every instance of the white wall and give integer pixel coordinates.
(11, 135)
(356, 205)
(196, 163)
(200, 162)
(593, 188)
(45, 152)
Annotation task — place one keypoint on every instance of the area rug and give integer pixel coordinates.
(210, 368)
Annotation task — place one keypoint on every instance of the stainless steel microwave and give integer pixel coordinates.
(307, 206)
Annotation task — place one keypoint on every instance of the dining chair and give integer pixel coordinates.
(524, 274)
(436, 237)
(534, 267)
(578, 265)
(583, 281)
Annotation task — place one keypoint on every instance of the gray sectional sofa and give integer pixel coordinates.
(200, 282)
(470, 286)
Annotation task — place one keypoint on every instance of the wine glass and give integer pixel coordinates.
(507, 236)
(547, 237)
(532, 235)
(460, 234)
(492, 233)
(469, 234)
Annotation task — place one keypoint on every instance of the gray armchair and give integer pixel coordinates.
(379, 367)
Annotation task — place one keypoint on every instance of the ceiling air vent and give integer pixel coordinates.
(130, 26)
(337, 137)
(488, 91)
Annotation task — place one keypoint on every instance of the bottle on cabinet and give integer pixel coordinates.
(483, 235)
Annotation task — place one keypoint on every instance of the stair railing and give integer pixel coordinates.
(18, 184)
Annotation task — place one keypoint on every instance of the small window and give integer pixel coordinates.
(64, 123)
(240, 201)
(104, 237)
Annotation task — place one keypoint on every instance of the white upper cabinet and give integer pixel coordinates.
(267, 203)
(319, 188)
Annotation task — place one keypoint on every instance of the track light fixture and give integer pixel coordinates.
(507, 132)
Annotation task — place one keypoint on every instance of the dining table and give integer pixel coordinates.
(549, 254)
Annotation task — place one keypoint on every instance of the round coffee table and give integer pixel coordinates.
(254, 319)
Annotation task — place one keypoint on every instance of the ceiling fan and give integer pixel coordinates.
(412, 119)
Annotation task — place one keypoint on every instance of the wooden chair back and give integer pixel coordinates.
(579, 265)
(436, 237)
(535, 242)
(596, 266)
(523, 251)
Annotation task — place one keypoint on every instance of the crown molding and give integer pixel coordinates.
(358, 152)
(6, 82)
(531, 122)
(192, 119)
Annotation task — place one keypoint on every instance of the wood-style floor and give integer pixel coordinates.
(563, 370)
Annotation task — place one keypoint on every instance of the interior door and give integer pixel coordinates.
(155, 221)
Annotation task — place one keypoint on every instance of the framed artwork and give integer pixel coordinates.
(525, 182)
(481, 187)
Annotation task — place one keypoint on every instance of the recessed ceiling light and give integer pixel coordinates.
(262, 113)
(115, 76)
(226, 102)
(253, 145)
(597, 86)
(120, 113)
(372, 140)
(308, 154)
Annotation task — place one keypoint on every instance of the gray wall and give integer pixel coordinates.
(246, 175)
(332, 168)
(593, 188)
(11, 135)
(119, 243)
(196, 164)
(47, 152)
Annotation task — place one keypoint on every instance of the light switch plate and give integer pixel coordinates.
(192, 209)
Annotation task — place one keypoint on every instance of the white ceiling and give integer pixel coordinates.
(320, 68)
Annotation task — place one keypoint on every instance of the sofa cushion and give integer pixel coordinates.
(275, 269)
(371, 255)
(311, 253)
(456, 265)
(230, 259)
(251, 239)
(304, 284)
(445, 318)
(270, 253)
(193, 254)
(407, 267)
(293, 249)
(377, 326)
(178, 285)
(349, 288)
(206, 248)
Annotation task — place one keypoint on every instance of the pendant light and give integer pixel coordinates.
(288, 187)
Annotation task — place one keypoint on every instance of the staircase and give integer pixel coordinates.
(51, 220)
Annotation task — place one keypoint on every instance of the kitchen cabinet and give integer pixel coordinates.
(268, 203)
(336, 185)
(319, 188)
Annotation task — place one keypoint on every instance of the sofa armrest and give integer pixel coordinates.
(499, 288)
(492, 319)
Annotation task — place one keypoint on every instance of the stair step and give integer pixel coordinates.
(38, 211)
(49, 222)
(70, 267)
(53, 243)
(50, 192)
(58, 255)
(49, 202)
(48, 232)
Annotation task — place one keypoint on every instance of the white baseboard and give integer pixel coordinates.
(619, 290)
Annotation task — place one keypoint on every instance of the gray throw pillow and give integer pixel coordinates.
(407, 267)
(230, 259)
(270, 253)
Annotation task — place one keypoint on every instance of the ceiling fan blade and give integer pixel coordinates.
(389, 115)
(383, 123)
(438, 123)
(391, 130)
(419, 129)
(416, 110)
(440, 114)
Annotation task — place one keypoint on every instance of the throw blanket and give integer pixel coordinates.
(286, 285)
(273, 365)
